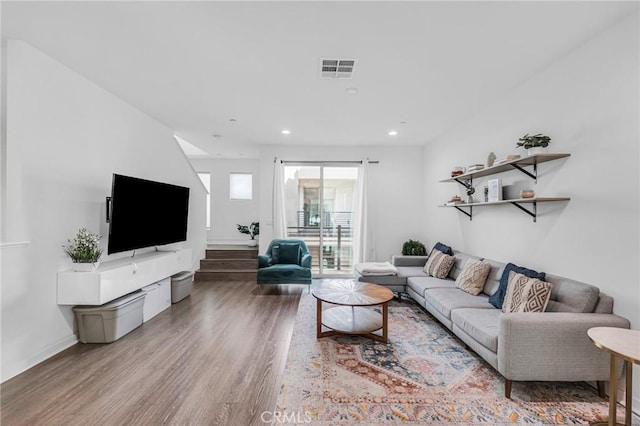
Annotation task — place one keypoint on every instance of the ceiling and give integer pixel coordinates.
(422, 67)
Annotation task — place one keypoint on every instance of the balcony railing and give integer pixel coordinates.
(336, 250)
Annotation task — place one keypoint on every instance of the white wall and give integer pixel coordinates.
(588, 102)
(395, 189)
(65, 138)
(226, 214)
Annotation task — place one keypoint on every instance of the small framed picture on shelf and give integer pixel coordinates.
(494, 190)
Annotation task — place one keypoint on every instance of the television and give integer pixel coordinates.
(144, 213)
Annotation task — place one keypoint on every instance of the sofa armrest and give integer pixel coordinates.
(553, 346)
(401, 260)
(264, 260)
(305, 262)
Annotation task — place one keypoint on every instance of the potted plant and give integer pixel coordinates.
(252, 230)
(534, 144)
(413, 248)
(84, 251)
(470, 191)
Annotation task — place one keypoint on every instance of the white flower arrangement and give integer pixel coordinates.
(84, 248)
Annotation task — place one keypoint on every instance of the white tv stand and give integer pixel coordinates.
(119, 277)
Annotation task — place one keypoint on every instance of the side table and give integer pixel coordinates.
(624, 344)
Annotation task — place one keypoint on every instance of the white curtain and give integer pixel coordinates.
(278, 206)
(363, 231)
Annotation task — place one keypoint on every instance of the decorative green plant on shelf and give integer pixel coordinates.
(414, 248)
(528, 142)
(84, 248)
(252, 230)
(470, 191)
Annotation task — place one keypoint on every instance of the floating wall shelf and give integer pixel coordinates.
(516, 202)
(466, 180)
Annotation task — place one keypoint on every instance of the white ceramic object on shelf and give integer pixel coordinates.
(252, 243)
(536, 150)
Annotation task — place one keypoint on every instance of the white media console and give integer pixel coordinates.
(119, 277)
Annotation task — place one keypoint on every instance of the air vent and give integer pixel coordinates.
(337, 68)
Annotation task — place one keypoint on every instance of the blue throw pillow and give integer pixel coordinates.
(290, 253)
(443, 248)
(275, 255)
(497, 298)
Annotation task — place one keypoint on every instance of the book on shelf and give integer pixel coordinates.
(454, 203)
(475, 167)
(509, 157)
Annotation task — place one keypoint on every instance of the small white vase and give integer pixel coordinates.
(252, 243)
(536, 150)
(85, 267)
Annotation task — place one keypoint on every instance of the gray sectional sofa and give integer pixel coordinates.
(548, 346)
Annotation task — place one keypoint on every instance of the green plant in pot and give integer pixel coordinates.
(534, 144)
(413, 248)
(470, 191)
(252, 230)
(84, 250)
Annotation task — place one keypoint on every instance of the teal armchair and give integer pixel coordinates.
(285, 262)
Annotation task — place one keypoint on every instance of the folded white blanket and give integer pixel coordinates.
(369, 269)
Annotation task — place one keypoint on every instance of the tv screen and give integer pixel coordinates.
(145, 213)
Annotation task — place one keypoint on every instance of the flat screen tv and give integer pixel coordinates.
(144, 213)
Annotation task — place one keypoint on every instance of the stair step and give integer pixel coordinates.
(218, 264)
(246, 253)
(226, 275)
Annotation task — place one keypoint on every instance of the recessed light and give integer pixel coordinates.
(392, 133)
(233, 120)
(216, 136)
(286, 132)
(351, 91)
(403, 122)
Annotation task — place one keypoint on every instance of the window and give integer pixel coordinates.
(206, 181)
(240, 186)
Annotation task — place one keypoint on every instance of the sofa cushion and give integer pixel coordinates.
(289, 253)
(497, 298)
(461, 258)
(568, 295)
(473, 276)
(439, 264)
(481, 324)
(444, 300)
(493, 280)
(411, 271)
(284, 273)
(526, 294)
(442, 248)
(421, 284)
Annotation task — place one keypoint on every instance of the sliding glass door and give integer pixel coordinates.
(319, 200)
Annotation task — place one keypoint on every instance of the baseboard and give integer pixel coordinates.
(11, 371)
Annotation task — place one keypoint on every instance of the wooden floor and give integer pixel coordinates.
(216, 357)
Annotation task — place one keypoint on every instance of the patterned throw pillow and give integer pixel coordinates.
(439, 264)
(497, 298)
(473, 276)
(526, 294)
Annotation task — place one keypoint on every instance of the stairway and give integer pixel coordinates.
(228, 263)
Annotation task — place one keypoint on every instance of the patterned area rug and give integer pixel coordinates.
(424, 375)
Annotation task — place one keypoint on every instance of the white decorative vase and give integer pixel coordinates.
(85, 267)
(252, 243)
(536, 150)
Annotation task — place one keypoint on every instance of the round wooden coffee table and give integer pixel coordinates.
(624, 344)
(352, 315)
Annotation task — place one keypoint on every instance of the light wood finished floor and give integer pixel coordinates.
(216, 357)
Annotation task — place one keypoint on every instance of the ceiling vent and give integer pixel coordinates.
(336, 68)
